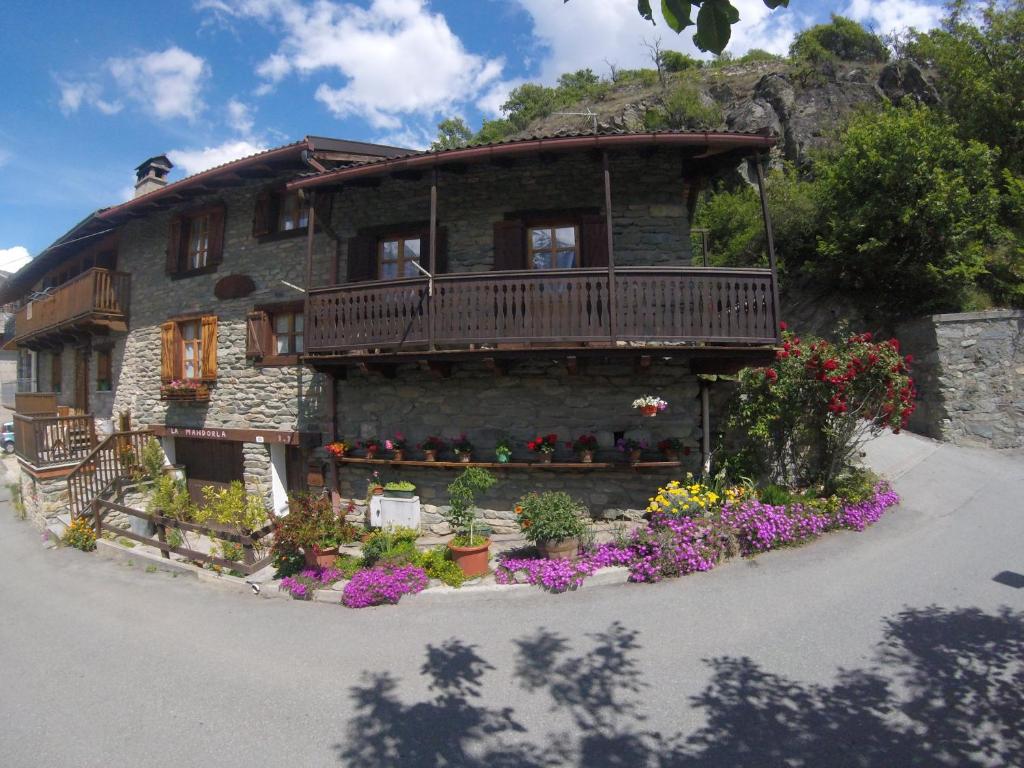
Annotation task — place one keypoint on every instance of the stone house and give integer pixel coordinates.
(327, 290)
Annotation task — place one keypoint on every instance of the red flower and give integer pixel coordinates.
(770, 374)
(783, 325)
(830, 365)
(909, 359)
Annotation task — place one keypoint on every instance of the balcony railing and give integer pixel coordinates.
(551, 307)
(96, 295)
(46, 440)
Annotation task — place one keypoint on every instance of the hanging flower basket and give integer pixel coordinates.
(650, 405)
(185, 392)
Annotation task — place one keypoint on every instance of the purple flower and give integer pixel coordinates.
(383, 584)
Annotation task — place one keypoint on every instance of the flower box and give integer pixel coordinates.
(197, 394)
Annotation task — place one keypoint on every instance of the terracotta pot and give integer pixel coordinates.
(430, 455)
(378, 490)
(634, 455)
(670, 455)
(465, 457)
(545, 458)
(649, 410)
(398, 455)
(320, 558)
(587, 457)
(472, 560)
(559, 549)
(371, 453)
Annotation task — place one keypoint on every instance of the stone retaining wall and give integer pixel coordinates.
(969, 370)
(44, 498)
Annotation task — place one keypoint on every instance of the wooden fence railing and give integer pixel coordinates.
(116, 458)
(651, 304)
(46, 440)
(250, 542)
(95, 292)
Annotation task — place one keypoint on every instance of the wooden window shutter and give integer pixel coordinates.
(175, 242)
(169, 352)
(209, 348)
(509, 245)
(264, 215)
(217, 220)
(593, 240)
(258, 339)
(441, 265)
(362, 258)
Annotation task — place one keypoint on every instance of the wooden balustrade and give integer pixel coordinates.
(650, 304)
(47, 440)
(96, 294)
(117, 458)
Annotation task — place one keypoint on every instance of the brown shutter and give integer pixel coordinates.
(264, 217)
(362, 258)
(593, 240)
(441, 264)
(174, 244)
(209, 348)
(217, 219)
(509, 245)
(169, 351)
(257, 334)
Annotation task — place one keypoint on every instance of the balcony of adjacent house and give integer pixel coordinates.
(94, 302)
(48, 436)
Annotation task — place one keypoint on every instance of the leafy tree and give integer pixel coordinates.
(979, 56)
(674, 61)
(909, 210)
(529, 102)
(493, 131)
(714, 19)
(452, 133)
(683, 107)
(580, 85)
(841, 38)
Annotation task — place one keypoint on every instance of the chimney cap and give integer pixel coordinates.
(159, 164)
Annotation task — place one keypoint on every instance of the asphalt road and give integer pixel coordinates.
(900, 646)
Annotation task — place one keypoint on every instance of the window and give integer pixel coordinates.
(552, 247)
(196, 241)
(188, 349)
(104, 379)
(288, 328)
(397, 257)
(56, 372)
(293, 212)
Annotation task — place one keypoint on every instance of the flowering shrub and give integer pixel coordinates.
(550, 516)
(182, 385)
(302, 585)
(584, 443)
(384, 584)
(629, 444)
(432, 443)
(650, 401)
(690, 498)
(673, 444)
(337, 448)
(545, 444)
(462, 444)
(370, 444)
(80, 535)
(802, 419)
(396, 443)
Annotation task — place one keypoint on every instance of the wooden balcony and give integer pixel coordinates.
(632, 308)
(45, 440)
(96, 300)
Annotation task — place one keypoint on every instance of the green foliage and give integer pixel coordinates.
(399, 485)
(855, 485)
(841, 38)
(170, 498)
(644, 77)
(452, 133)
(551, 516)
(757, 55)
(233, 507)
(348, 565)
(438, 564)
(80, 535)
(775, 495)
(683, 108)
(395, 546)
(909, 210)
(152, 459)
(492, 131)
(175, 537)
(581, 85)
(311, 523)
(529, 102)
(461, 513)
(674, 61)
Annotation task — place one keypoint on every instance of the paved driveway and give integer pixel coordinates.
(894, 647)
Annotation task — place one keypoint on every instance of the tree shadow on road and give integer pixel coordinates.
(947, 689)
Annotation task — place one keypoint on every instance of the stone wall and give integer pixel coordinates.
(969, 370)
(536, 397)
(44, 498)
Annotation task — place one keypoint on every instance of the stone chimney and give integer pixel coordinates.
(152, 175)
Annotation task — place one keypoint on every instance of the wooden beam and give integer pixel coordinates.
(387, 370)
(437, 369)
(611, 244)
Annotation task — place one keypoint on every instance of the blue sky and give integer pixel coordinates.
(92, 89)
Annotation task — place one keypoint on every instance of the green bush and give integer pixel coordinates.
(348, 565)
(171, 499)
(152, 459)
(674, 61)
(551, 516)
(438, 564)
(644, 77)
(391, 545)
(683, 108)
(461, 513)
(775, 495)
(841, 38)
(80, 535)
(233, 507)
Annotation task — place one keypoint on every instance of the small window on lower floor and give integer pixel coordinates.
(104, 379)
(553, 247)
(288, 333)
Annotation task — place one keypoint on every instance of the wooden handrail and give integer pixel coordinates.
(97, 291)
(47, 440)
(105, 465)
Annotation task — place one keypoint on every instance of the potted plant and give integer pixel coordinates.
(585, 445)
(463, 448)
(399, 489)
(469, 549)
(375, 486)
(632, 447)
(397, 445)
(544, 447)
(503, 450)
(185, 390)
(431, 447)
(671, 447)
(337, 449)
(553, 521)
(650, 405)
(372, 445)
(313, 528)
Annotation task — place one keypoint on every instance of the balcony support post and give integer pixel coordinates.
(432, 265)
(310, 230)
(770, 239)
(611, 248)
(705, 426)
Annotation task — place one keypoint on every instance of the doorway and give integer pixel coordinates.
(208, 462)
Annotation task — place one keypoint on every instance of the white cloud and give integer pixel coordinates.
(73, 95)
(240, 117)
(895, 15)
(167, 82)
(13, 259)
(195, 160)
(396, 58)
(490, 101)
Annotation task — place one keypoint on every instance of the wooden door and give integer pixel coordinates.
(81, 403)
(208, 462)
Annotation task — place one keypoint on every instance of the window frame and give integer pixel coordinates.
(104, 368)
(400, 261)
(183, 222)
(302, 205)
(195, 343)
(188, 230)
(291, 334)
(553, 250)
(273, 311)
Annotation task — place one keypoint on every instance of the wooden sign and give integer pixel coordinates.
(267, 436)
(234, 287)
